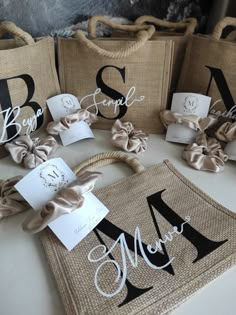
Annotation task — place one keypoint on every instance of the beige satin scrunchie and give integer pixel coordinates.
(205, 154)
(129, 139)
(226, 132)
(66, 201)
(55, 127)
(31, 152)
(191, 121)
(11, 202)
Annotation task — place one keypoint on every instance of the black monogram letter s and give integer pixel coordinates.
(115, 95)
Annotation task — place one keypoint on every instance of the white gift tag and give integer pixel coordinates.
(63, 105)
(187, 104)
(43, 183)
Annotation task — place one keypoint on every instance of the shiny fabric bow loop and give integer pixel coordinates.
(66, 201)
(226, 132)
(191, 121)
(205, 154)
(31, 152)
(126, 137)
(11, 202)
(56, 127)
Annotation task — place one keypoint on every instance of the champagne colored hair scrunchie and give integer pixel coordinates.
(129, 139)
(31, 152)
(205, 154)
(11, 202)
(191, 121)
(55, 127)
(226, 132)
(66, 201)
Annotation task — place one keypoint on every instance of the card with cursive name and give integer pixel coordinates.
(187, 104)
(45, 181)
(63, 105)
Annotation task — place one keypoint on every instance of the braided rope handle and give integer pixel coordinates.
(189, 24)
(10, 27)
(143, 34)
(226, 21)
(107, 158)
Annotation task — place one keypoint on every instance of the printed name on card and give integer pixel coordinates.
(45, 181)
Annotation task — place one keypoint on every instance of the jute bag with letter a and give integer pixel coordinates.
(179, 32)
(210, 68)
(162, 240)
(27, 79)
(124, 79)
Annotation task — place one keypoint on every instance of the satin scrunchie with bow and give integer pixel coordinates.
(11, 202)
(129, 139)
(66, 201)
(191, 121)
(55, 127)
(205, 154)
(31, 152)
(226, 132)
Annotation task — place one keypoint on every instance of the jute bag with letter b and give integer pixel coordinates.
(210, 68)
(162, 240)
(27, 79)
(124, 79)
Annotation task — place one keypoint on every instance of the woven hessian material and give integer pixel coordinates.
(194, 265)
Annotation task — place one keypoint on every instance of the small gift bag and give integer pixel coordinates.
(28, 78)
(125, 79)
(179, 33)
(162, 240)
(210, 68)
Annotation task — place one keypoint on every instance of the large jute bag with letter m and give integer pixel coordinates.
(27, 79)
(210, 68)
(162, 240)
(125, 79)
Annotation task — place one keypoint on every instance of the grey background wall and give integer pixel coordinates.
(40, 17)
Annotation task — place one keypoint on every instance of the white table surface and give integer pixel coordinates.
(26, 284)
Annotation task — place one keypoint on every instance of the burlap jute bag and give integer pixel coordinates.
(27, 79)
(162, 240)
(179, 33)
(210, 68)
(125, 79)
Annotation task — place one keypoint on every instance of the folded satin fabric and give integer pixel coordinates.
(129, 139)
(67, 200)
(205, 154)
(192, 121)
(226, 132)
(31, 152)
(55, 127)
(11, 202)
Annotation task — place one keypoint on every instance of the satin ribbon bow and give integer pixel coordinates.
(191, 121)
(55, 127)
(226, 132)
(205, 154)
(31, 152)
(11, 202)
(129, 139)
(66, 201)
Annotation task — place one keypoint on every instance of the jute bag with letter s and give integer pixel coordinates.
(27, 79)
(125, 79)
(179, 32)
(210, 68)
(162, 240)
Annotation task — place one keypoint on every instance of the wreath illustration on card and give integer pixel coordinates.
(190, 104)
(52, 177)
